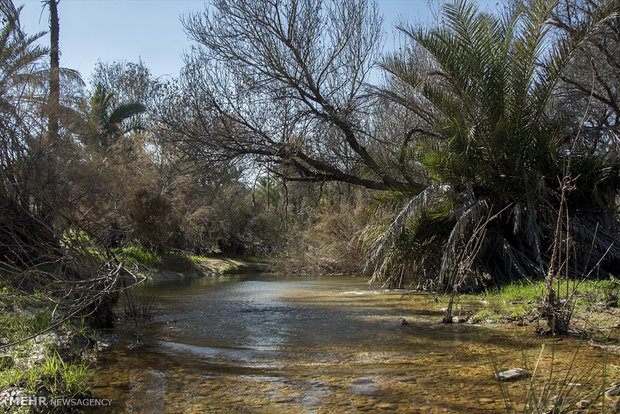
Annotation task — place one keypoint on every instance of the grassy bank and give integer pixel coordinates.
(184, 264)
(596, 305)
(40, 359)
(56, 363)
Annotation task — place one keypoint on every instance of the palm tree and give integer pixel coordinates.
(106, 123)
(494, 151)
(19, 54)
(54, 74)
(268, 191)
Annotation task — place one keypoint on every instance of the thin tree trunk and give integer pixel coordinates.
(54, 77)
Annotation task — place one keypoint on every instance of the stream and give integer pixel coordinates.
(267, 344)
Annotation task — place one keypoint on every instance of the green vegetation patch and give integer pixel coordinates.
(140, 256)
(596, 302)
(51, 375)
(56, 363)
(517, 292)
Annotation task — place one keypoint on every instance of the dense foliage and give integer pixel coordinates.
(502, 149)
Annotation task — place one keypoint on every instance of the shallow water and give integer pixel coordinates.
(273, 345)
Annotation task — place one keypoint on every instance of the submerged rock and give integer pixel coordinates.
(584, 404)
(362, 381)
(614, 390)
(512, 374)
(386, 406)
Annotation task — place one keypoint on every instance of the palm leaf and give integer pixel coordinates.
(430, 198)
(125, 111)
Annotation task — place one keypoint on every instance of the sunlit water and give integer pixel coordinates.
(273, 345)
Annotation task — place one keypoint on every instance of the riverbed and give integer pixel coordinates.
(267, 344)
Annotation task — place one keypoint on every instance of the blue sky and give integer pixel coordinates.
(109, 30)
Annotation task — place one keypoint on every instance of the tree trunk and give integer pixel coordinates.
(54, 76)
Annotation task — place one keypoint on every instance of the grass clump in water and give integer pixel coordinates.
(486, 314)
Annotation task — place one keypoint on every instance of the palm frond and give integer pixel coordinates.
(64, 73)
(431, 197)
(486, 91)
(125, 111)
(468, 216)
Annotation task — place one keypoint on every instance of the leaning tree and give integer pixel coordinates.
(283, 83)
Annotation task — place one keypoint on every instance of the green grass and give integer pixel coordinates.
(61, 379)
(516, 292)
(197, 257)
(245, 258)
(484, 314)
(529, 292)
(140, 256)
(179, 261)
(222, 256)
(14, 326)
(520, 300)
(6, 293)
(72, 237)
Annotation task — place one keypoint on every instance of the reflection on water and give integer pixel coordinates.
(260, 344)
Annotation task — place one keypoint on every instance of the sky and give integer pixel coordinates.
(151, 30)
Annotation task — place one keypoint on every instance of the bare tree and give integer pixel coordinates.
(283, 83)
(594, 74)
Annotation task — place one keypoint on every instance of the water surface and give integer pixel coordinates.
(272, 345)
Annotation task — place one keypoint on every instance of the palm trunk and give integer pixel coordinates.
(54, 77)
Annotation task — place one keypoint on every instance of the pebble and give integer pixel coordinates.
(386, 406)
(584, 404)
(512, 374)
(284, 400)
